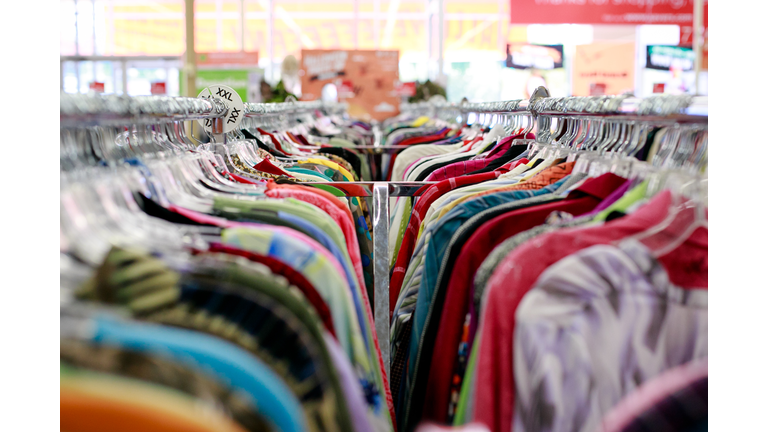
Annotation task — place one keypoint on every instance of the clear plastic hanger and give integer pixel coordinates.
(603, 134)
(100, 211)
(687, 213)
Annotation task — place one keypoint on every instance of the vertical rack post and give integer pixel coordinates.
(430, 36)
(698, 39)
(440, 40)
(270, 40)
(356, 19)
(242, 25)
(381, 268)
(190, 65)
(124, 75)
(376, 23)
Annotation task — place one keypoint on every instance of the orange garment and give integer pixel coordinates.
(119, 405)
(545, 178)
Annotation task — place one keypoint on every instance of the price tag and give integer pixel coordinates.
(233, 102)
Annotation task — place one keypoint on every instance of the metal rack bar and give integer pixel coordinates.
(77, 110)
(680, 108)
(262, 109)
(96, 109)
(674, 107)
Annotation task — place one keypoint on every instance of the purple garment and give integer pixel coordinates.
(610, 199)
(353, 394)
(595, 327)
(670, 401)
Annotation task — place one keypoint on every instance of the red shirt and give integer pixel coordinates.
(473, 253)
(516, 274)
(244, 180)
(275, 141)
(424, 139)
(268, 167)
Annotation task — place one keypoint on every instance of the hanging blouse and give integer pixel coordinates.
(515, 276)
(594, 327)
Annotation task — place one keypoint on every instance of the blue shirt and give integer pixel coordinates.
(235, 366)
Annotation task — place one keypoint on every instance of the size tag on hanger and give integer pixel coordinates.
(235, 110)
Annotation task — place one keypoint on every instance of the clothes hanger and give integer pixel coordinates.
(591, 152)
(686, 214)
(94, 218)
(698, 159)
(177, 177)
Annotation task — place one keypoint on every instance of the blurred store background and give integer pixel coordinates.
(375, 53)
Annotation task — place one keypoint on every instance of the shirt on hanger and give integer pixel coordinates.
(509, 283)
(595, 326)
(542, 179)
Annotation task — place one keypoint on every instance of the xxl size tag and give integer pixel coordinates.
(232, 100)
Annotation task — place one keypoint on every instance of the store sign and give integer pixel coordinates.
(366, 80)
(528, 56)
(686, 40)
(242, 81)
(686, 35)
(603, 68)
(158, 88)
(663, 57)
(235, 58)
(96, 86)
(601, 11)
(686, 31)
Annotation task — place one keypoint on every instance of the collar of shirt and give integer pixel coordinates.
(511, 165)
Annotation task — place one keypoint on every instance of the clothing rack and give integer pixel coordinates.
(669, 107)
(93, 110)
(78, 110)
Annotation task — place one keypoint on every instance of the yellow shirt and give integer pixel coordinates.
(346, 174)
